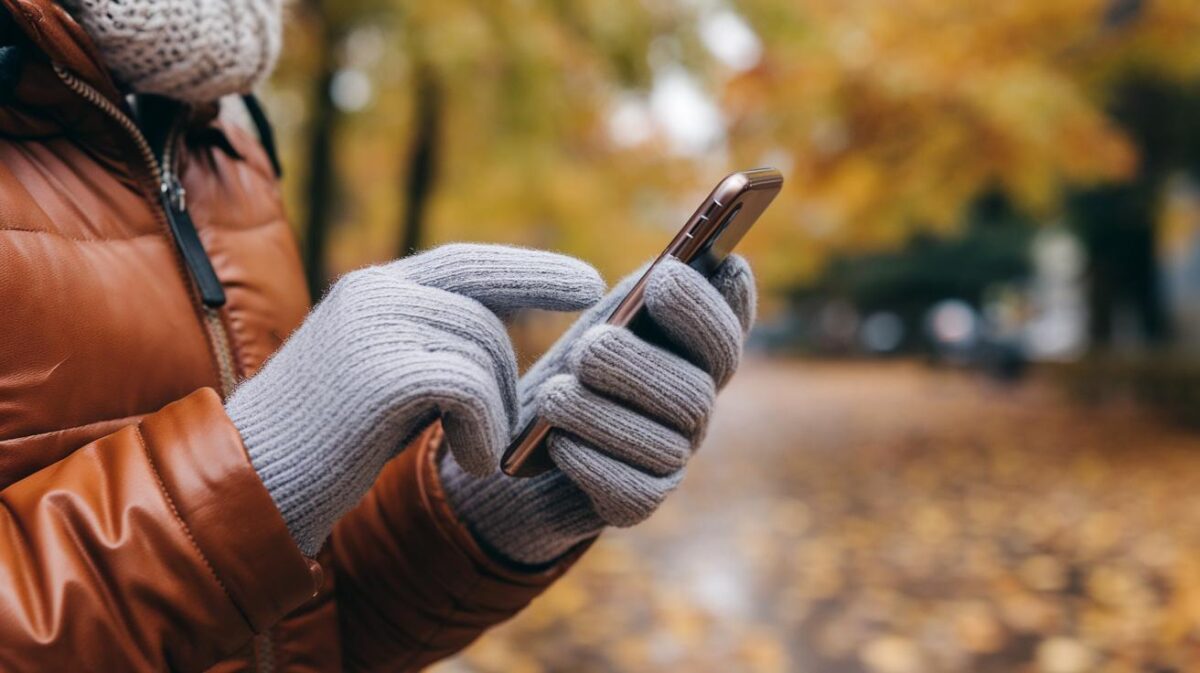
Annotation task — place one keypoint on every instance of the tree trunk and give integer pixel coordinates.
(322, 184)
(422, 158)
(1116, 224)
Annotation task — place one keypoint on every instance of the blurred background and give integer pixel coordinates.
(967, 435)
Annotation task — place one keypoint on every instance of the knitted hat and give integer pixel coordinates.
(191, 50)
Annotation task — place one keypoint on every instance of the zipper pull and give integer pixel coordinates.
(174, 202)
(175, 193)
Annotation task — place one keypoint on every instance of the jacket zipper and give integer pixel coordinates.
(172, 213)
(173, 197)
(264, 653)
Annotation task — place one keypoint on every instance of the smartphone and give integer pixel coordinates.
(703, 243)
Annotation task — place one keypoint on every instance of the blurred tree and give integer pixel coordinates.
(494, 121)
(1119, 222)
(315, 37)
(898, 114)
(422, 163)
(320, 154)
(461, 119)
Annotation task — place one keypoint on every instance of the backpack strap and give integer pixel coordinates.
(266, 135)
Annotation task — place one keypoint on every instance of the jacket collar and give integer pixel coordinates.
(40, 105)
(62, 41)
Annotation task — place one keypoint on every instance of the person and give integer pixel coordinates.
(199, 473)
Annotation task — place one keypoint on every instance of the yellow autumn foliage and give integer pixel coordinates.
(887, 117)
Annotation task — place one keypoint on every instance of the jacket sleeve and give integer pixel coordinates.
(154, 548)
(412, 585)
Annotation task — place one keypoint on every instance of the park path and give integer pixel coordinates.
(890, 518)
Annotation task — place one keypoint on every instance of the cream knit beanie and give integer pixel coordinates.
(190, 50)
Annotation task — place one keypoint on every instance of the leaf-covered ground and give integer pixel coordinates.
(892, 519)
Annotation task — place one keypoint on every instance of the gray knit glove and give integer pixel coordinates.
(389, 349)
(628, 415)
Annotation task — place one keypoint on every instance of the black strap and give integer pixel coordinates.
(10, 70)
(11, 57)
(155, 115)
(266, 135)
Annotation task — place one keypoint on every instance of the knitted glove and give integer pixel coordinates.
(185, 49)
(628, 415)
(388, 350)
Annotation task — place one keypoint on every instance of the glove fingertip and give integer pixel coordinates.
(734, 279)
(586, 343)
(621, 495)
(575, 284)
(670, 281)
(476, 455)
(475, 463)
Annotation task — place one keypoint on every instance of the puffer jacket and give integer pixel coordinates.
(134, 533)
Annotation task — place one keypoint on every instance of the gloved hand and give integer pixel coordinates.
(628, 415)
(389, 349)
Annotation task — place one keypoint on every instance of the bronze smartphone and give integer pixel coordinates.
(703, 243)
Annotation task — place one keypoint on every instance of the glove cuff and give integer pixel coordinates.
(529, 522)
